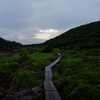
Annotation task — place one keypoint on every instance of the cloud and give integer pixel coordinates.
(15, 14)
(34, 21)
(46, 34)
(49, 31)
(29, 35)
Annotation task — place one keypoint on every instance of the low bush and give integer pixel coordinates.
(47, 49)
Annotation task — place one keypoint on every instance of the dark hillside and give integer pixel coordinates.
(82, 37)
(8, 45)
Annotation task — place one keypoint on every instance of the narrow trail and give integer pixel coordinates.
(51, 92)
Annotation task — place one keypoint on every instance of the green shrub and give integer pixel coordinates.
(47, 49)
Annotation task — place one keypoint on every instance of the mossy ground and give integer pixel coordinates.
(79, 68)
(23, 67)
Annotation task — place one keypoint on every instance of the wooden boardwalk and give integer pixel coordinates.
(51, 92)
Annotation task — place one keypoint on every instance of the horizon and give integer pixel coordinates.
(34, 22)
(53, 37)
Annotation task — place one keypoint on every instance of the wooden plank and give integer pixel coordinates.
(48, 69)
(48, 76)
(56, 95)
(52, 95)
(51, 92)
(48, 95)
(55, 62)
(59, 54)
(52, 64)
(59, 58)
(48, 86)
(52, 87)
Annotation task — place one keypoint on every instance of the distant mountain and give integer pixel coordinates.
(8, 45)
(82, 37)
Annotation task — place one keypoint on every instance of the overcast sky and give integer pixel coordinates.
(35, 21)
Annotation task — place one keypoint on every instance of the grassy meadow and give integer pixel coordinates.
(78, 68)
(25, 68)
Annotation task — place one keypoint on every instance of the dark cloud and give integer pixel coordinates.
(15, 14)
(21, 20)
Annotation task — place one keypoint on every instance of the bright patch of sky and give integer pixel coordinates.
(46, 34)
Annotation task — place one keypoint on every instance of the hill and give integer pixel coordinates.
(77, 75)
(82, 37)
(8, 45)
